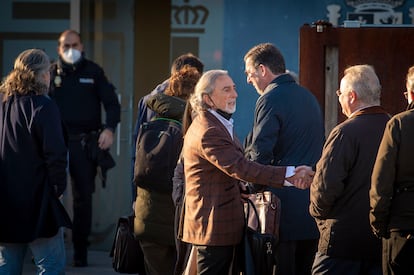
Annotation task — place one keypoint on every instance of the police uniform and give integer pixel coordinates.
(80, 90)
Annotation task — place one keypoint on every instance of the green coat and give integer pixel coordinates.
(154, 217)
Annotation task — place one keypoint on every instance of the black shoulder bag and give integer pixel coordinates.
(126, 252)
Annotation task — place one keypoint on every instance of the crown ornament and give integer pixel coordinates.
(390, 3)
(188, 15)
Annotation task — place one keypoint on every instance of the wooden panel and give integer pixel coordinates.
(152, 46)
(331, 85)
(386, 48)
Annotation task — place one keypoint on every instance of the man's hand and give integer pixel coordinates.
(244, 192)
(303, 177)
(106, 138)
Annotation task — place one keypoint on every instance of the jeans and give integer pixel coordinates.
(48, 254)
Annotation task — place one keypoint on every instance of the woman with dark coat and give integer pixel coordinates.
(33, 159)
(154, 209)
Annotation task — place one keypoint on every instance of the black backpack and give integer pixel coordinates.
(158, 148)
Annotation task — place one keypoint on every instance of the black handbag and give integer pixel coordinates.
(126, 252)
(259, 248)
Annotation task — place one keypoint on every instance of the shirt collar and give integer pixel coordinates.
(227, 123)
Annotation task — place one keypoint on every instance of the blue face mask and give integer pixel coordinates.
(71, 55)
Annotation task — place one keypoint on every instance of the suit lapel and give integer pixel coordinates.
(218, 123)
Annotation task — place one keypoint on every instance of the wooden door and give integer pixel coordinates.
(324, 56)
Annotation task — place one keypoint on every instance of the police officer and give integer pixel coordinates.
(80, 88)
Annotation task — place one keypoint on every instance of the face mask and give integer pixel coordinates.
(224, 114)
(71, 55)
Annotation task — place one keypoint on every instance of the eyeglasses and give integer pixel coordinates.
(252, 72)
(338, 92)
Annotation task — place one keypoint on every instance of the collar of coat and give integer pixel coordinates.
(370, 110)
(410, 106)
(280, 79)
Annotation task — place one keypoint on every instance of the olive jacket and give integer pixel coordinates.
(392, 186)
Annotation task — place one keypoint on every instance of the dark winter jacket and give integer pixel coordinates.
(155, 211)
(392, 189)
(339, 193)
(33, 160)
(80, 90)
(144, 114)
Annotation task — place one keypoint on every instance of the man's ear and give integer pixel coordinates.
(207, 100)
(353, 96)
(262, 69)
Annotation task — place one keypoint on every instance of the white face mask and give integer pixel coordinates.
(71, 55)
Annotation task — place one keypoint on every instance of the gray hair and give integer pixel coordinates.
(26, 76)
(205, 86)
(364, 81)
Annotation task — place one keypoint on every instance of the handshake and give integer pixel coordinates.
(302, 178)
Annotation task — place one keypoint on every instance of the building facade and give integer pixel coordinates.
(135, 41)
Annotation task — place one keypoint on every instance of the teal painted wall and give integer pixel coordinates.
(249, 22)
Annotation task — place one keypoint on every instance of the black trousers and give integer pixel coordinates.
(324, 264)
(159, 258)
(397, 253)
(82, 172)
(183, 249)
(214, 260)
(296, 257)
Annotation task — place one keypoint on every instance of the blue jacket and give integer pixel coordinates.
(288, 130)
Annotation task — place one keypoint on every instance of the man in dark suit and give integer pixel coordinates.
(214, 164)
(288, 130)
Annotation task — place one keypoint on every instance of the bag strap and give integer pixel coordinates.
(246, 217)
(168, 119)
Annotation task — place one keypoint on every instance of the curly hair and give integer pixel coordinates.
(26, 76)
(183, 82)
